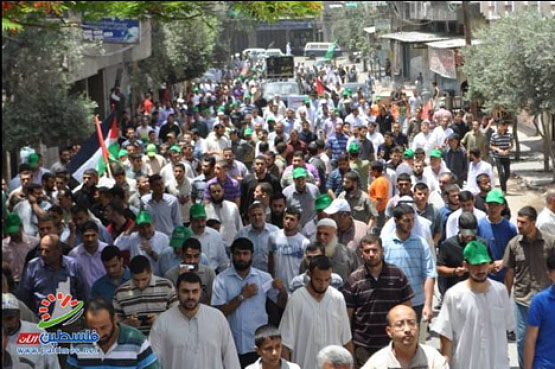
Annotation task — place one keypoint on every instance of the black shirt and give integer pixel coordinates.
(248, 186)
(451, 255)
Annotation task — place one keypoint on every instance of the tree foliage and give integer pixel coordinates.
(349, 29)
(49, 14)
(513, 67)
(512, 70)
(38, 106)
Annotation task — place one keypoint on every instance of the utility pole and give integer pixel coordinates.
(466, 21)
(468, 42)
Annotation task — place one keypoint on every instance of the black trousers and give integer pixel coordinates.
(247, 359)
(504, 171)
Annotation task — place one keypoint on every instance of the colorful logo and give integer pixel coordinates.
(66, 310)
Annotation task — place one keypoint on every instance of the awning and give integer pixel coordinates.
(370, 29)
(452, 43)
(414, 37)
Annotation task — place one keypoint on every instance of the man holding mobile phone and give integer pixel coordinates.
(190, 254)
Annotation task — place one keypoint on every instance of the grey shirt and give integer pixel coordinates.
(302, 201)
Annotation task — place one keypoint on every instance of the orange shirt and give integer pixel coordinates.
(379, 189)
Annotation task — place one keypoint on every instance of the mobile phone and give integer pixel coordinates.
(184, 268)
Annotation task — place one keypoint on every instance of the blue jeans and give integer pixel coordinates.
(521, 312)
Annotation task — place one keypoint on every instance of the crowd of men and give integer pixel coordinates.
(235, 232)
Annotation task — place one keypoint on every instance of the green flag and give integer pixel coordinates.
(331, 51)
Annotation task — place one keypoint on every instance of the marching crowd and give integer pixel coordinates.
(233, 232)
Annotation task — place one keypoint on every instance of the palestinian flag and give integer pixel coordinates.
(330, 54)
(98, 150)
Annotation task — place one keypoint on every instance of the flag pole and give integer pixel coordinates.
(103, 146)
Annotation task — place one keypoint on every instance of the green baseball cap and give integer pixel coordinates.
(299, 173)
(336, 111)
(322, 202)
(195, 109)
(221, 109)
(195, 89)
(33, 160)
(306, 100)
(345, 93)
(197, 211)
(179, 235)
(123, 152)
(247, 96)
(13, 223)
(233, 104)
(143, 217)
(408, 153)
(354, 148)
(175, 148)
(476, 253)
(496, 196)
(151, 150)
(248, 132)
(271, 119)
(436, 153)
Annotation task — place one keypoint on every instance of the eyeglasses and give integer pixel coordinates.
(400, 325)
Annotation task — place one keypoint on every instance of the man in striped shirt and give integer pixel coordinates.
(501, 144)
(370, 292)
(119, 345)
(139, 301)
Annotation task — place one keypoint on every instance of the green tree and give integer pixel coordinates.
(512, 69)
(38, 106)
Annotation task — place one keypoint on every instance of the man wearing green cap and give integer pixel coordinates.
(16, 246)
(435, 169)
(154, 162)
(212, 242)
(320, 204)
(167, 170)
(301, 195)
(171, 257)
(143, 239)
(477, 307)
(497, 230)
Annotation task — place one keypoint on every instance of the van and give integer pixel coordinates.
(314, 49)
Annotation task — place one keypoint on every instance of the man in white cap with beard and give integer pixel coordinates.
(13, 325)
(343, 260)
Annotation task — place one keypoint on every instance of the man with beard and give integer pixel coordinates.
(316, 316)
(477, 307)
(240, 292)
(286, 248)
(371, 291)
(250, 181)
(202, 330)
(404, 351)
(86, 193)
(225, 211)
(349, 230)
(121, 344)
(484, 183)
(362, 208)
(264, 192)
(180, 187)
(198, 185)
(343, 260)
(320, 204)
(258, 232)
(418, 173)
(450, 258)
(14, 325)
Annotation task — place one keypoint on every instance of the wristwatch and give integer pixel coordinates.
(240, 297)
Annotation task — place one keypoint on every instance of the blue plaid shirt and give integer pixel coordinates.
(338, 145)
(414, 257)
